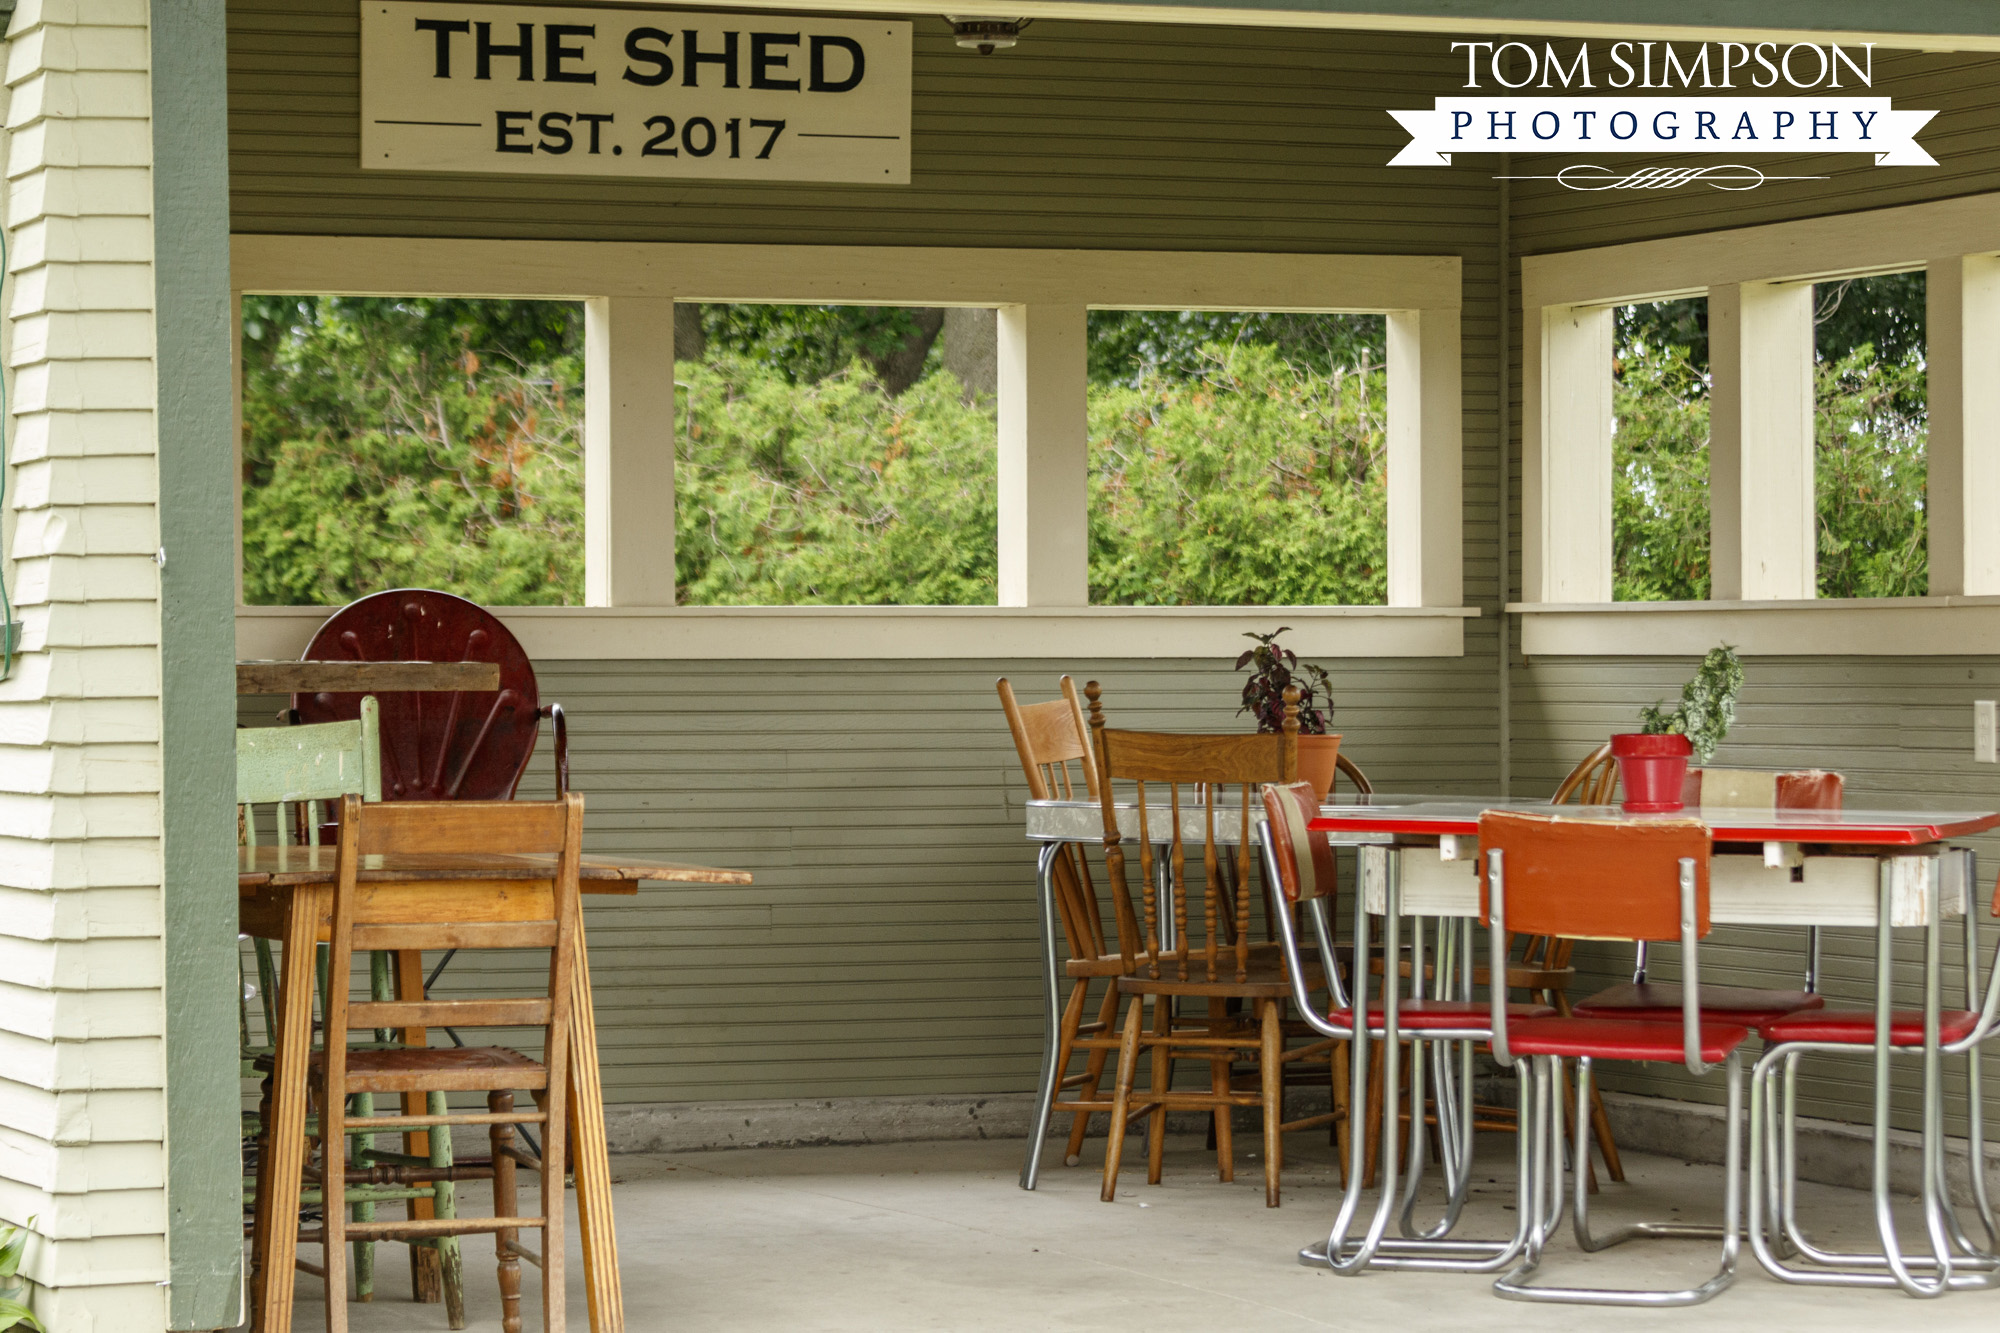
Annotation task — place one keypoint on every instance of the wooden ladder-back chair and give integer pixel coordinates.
(551, 925)
(1213, 778)
(1053, 742)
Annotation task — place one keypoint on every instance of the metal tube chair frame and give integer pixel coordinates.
(1775, 1232)
(1308, 880)
(1624, 913)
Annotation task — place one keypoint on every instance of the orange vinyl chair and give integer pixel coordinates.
(1642, 881)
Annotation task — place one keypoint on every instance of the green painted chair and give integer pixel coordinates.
(296, 770)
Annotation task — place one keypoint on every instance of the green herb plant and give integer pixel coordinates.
(1272, 667)
(13, 1240)
(1707, 707)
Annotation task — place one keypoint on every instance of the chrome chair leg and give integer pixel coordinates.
(1514, 1285)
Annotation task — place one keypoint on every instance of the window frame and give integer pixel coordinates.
(1043, 296)
(1758, 282)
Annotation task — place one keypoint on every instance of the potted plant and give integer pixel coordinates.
(1652, 762)
(1272, 667)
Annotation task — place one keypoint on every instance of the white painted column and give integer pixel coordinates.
(1044, 492)
(1962, 494)
(1760, 442)
(1566, 477)
(1426, 485)
(628, 452)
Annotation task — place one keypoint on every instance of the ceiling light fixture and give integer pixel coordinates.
(986, 35)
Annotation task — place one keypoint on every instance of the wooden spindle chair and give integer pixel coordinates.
(1218, 777)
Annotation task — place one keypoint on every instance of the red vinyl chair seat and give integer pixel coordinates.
(1620, 1039)
(1653, 1002)
(1443, 1015)
(1857, 1027)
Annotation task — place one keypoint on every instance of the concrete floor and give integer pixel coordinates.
(938, 1236)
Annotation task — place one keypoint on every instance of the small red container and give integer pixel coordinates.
(1652, 769)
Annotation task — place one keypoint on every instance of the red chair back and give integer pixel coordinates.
(1306, 866)
(460, 746)
(1594, 879)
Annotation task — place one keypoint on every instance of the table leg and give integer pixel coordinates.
(276, 1241)
(592, 1156)
(1051, 1012)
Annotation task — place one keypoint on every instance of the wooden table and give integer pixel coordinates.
(365, 677)
(286, 894)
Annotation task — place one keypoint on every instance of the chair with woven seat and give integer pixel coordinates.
(1612, 880)
(1053, 742)
(1209, 778)
(547, 828)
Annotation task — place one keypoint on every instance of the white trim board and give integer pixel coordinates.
(1872, 627)
(814, 633)
(846, 274)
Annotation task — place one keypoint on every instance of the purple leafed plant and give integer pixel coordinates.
(1272, 667)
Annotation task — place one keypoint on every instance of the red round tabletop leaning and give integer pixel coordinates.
(436, 746)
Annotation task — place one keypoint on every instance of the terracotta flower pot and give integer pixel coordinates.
(1653, 770)
(1318, 757)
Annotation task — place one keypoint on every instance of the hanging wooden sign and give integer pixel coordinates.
(632, 92)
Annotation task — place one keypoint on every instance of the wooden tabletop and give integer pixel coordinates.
(259, 866)
(365, 677)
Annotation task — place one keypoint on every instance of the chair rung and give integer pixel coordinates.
(448, 1013)
(458, 935)
(384, 1123)
(416, 1228)
(521, 1252)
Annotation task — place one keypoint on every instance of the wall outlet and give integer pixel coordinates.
(1986, 732)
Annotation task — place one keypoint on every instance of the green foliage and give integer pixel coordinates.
(1274, 667)
(830, 492)
(1659, 476)
(1129, 346)
(809, 343)
(412, 443)
(13, 1313)
(1707, 706)
(1254, 483)
(1870, 430)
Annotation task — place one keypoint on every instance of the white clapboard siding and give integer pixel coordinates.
(82, 1110)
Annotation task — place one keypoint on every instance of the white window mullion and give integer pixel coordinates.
(1425, 460)
(1962, 490)
(1760, 442)
(628, 451)
(1043, 469)
(1567, 486)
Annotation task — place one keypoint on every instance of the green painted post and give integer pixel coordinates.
(196, 418)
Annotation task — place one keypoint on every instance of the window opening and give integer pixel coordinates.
(1870, 426)
(1659, 443)
(1238, 459)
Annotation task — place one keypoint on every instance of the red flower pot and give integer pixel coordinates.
(1652, 769)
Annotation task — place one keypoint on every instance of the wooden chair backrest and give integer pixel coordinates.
(292, 766)
(1219, 775)
(527, 921)
(1594, 879)
(1306, 868)
(1050, 737)
(1053, 743)
(1592, 782)
(1343, 766)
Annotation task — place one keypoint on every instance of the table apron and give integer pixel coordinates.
(1743, 890)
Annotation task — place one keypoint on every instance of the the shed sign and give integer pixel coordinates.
(631, 92)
